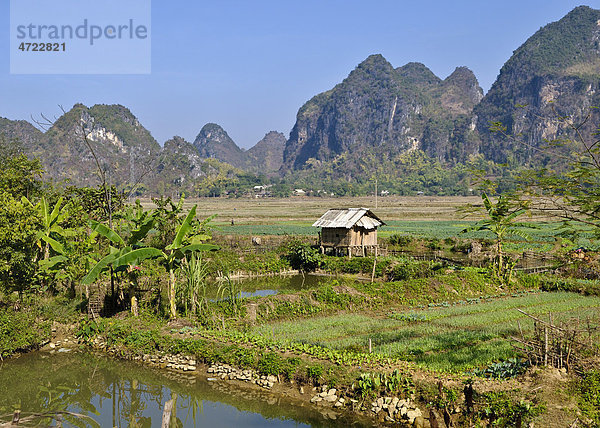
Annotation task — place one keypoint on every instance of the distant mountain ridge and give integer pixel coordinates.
(214, 142)
(378, 117)
(131, 156)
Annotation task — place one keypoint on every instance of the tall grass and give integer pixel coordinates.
(193, 292)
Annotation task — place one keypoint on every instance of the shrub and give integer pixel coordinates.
(501, 411)
(245, 357)
(327, 294)
(270, 364)
(355, 265)
(434, 244)
(587, 390)
(20, 331)
(290, 367)
(400, 240)
(303, 257)
(408, 269)
(314, 373)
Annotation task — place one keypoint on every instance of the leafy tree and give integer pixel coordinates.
(92, 200)
(19, 226)
(19, 176)
(573, 192)
(567, 184)
(303, 257)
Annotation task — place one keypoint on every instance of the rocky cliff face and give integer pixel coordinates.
(180, 161)
(389, 110)
(123, 147)
(267, 155)
(555, 72)
(214, 142)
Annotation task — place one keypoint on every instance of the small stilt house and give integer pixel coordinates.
(351, 230)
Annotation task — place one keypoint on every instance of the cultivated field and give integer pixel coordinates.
(417, 216)
(454, 337)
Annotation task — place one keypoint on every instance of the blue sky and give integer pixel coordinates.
(250, 65)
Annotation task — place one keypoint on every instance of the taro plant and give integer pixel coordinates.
(393, 383)
(367, 384)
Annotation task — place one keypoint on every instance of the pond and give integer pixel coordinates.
(104, 392)
(270, 285)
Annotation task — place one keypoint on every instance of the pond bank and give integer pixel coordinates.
(332, 403)
(367, 395)
(92, 389)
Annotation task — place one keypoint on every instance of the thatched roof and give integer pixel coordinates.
(348, 218)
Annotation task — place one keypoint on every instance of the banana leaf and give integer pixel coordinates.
(107, 232)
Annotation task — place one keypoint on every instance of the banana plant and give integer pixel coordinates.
(51, 237)
(51, 220)
(173, 254)
(177, 250)
(127, 254)
(120, 250)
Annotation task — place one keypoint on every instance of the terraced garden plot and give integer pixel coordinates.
(453, 338)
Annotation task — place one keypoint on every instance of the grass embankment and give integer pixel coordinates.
(27, 324)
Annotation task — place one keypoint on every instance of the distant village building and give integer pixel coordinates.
(299, 192)
(262, 191)
(351, 231)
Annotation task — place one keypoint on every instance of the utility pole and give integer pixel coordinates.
(376, 194)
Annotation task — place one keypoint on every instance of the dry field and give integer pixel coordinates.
(306, 210)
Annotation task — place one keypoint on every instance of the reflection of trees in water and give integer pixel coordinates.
(128, 394)
(50, 389)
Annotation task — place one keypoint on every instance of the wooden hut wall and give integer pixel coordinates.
(361, 236)
(370, 237)
(337, 236)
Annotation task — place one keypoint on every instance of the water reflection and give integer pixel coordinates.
(102, 392)
(270, 285)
